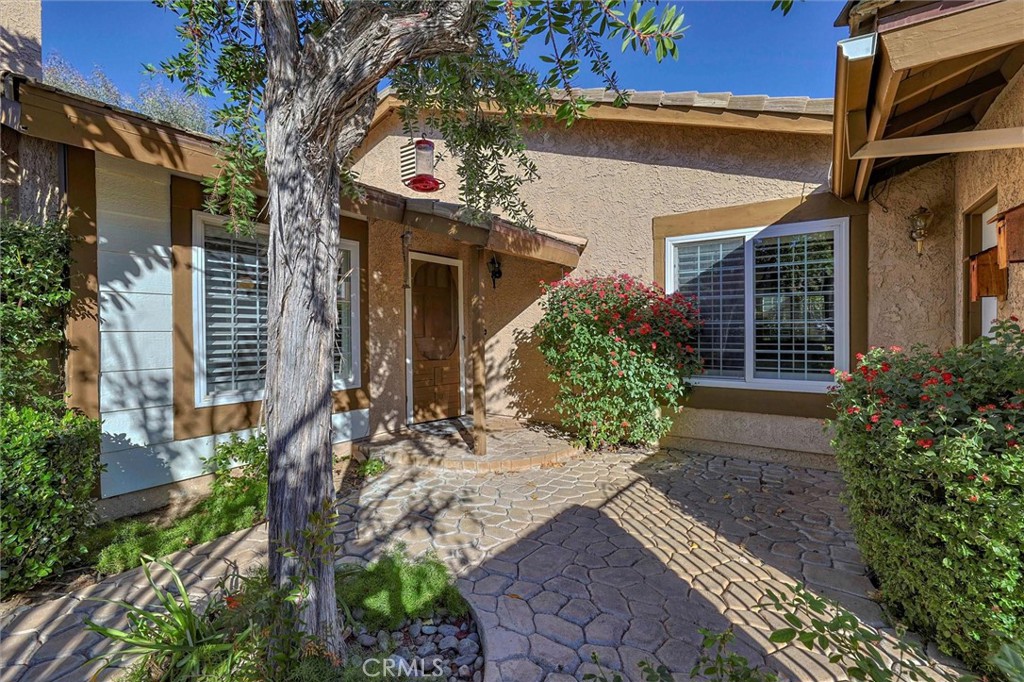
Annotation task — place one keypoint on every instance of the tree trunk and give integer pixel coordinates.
(302, 315)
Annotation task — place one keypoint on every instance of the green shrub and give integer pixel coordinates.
(34, 297)
(930, 447)
(372, 468)
(620, 351)
(49, 465)
(395, 588)
(238, 499)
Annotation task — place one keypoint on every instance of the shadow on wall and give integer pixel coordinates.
(720, 151)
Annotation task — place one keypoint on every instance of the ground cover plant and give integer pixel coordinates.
(238, 499)
(930, 447)
(49, 455)
(395, 588)
(227, 637)
(620, 353)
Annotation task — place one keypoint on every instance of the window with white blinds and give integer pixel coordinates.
(712, 271)
(230, 314)
(774, 302)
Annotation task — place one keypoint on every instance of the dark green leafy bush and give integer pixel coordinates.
(34, 297)
(930, 446)
(49, 464)
(620, 352)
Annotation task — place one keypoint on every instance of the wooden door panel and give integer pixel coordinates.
(436, 341)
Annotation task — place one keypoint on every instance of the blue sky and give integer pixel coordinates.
(731, 45)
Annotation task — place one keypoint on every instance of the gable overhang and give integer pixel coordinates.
(451, 220)
(44, 112)
(916, 87)
(686, 112)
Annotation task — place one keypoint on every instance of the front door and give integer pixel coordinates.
(436, 339)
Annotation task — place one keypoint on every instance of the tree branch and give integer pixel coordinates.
(346, 65)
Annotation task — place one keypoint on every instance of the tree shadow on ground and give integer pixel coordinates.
(789, 518)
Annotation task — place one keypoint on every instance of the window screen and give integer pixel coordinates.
(794, 307)
(712, 271)
(235, 279)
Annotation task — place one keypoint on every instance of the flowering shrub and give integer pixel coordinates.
(931, 449)
(618, 350)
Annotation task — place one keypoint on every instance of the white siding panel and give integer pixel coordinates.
(150, 236)
(144, 467)
(135, 389)
(352, 425)
(127, 429)
(143, 274)
(131, 312)
(136, 350)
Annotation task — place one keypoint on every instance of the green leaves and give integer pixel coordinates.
(931, 451)
(49, 464)
(620, 353)
(34, 301)
(177, 638)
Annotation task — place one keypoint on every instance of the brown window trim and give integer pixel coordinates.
(777, 212)
(83, 326)
(971, 317)
(191, 421)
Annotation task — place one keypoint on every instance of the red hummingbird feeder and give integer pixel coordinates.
(424, 180)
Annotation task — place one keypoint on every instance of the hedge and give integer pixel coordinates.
(49, 465)
(931, 450)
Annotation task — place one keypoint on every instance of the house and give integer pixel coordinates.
(789, 224)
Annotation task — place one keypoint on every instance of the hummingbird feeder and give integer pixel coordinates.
(424, 180)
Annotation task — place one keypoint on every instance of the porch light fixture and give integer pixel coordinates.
(494, 267)
(424, 180)
(919, 222)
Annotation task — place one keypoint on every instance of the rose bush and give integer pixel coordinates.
(930, 446)
(618, 350)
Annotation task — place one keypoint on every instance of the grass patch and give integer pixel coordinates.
(395, 588)
(119, 545)
(237, 500)
(318, 669)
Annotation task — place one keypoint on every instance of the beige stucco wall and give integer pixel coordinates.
(1002, 170)
(912, 299)
(21, 37)
(601, 180)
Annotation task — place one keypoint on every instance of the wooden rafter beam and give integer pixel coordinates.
(971, 141)
(990, 26)
(940, 106)
(885, 93)
(940, 73)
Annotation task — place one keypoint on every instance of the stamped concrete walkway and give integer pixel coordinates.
(623, 555)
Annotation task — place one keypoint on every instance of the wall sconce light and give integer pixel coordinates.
(919, 222)
(494, 267)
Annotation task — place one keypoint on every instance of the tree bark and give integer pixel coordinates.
(302, 315)
(319, 100)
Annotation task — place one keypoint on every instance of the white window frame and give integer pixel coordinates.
(841, 245)
(355, 379)
(203, 397)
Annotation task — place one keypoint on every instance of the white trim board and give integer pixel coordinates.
(431, 258)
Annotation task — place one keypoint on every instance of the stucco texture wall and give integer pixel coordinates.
(1002, 170)
(601, 180)
(912, 299)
